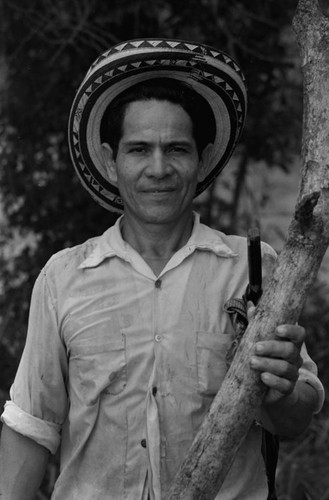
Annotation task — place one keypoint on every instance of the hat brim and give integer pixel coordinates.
(208, 71)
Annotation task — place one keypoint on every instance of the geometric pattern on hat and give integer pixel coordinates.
(210, 72)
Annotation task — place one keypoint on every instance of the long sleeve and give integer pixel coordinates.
(39, 401)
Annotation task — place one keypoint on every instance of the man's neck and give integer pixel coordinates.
(157, 243)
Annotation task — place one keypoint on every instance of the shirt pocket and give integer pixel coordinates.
(98, 369)
(211, 349)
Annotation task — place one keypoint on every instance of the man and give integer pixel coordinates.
(127, 337)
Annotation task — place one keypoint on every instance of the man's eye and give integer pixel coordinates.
(177, 149)
(137, 149)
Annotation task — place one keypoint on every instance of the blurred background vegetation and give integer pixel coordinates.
(46, 48)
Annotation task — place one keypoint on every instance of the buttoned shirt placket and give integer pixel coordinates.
(152, 413)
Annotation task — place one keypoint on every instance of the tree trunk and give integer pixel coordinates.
(234, 408)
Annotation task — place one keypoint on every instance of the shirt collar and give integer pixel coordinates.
(111, 244)
(205, 238)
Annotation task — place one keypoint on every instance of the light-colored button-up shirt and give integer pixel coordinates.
(120, 365)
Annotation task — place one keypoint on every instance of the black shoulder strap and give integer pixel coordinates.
(270, 452)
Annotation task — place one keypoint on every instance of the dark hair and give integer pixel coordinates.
(162, 89)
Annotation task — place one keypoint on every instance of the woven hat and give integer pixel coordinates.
(208, 71)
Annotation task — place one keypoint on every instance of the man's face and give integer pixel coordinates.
(157, 166)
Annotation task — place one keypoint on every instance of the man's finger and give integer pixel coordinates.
(277, 367)
(294, 333)
(279, 350)
(281, 385)
(250, 309)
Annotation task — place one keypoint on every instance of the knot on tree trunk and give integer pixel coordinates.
(305, 207)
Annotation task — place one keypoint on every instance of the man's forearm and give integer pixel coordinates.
(22, 466)
(291, 415)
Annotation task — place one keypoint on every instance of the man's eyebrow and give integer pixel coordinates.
(179, 142)
(133, 142)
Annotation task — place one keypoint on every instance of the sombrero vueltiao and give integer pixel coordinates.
(208, 71)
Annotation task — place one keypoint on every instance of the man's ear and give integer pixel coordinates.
(205, 161)
(109, 163)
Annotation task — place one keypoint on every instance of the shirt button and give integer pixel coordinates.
(143, 443)
(157, 284)
(158, 338)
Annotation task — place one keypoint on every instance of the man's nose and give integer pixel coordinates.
(159, 165)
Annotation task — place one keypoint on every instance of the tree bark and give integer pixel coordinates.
(235, 406)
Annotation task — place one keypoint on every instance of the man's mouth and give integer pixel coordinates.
(168, 189)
